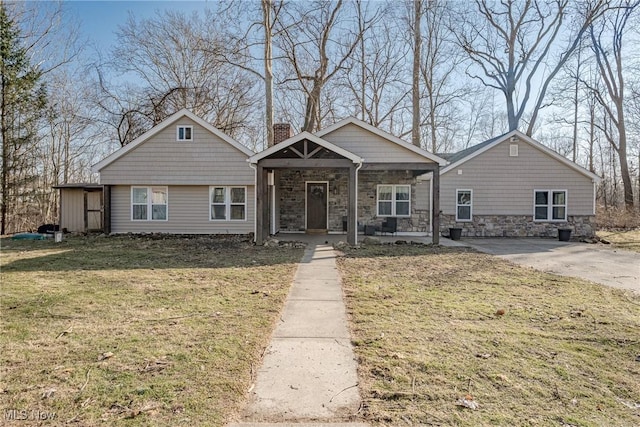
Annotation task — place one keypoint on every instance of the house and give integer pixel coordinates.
(513, 186)
(186, 177)
(183, 176)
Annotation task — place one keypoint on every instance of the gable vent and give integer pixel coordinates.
(513, 150)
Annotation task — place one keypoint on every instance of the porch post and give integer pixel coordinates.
(106, 209)
(352, 214)
(262, 212)
(435, 203)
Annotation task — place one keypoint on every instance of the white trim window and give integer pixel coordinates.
(184, 133)
(394, 200)
(550, 205)
(227, 203)
(149, 203)
(464, 205)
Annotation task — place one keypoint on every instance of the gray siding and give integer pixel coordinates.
(423, 195)
(72, 209)
(504, 185)
(164, 161)
(188, 213)
(371, 147)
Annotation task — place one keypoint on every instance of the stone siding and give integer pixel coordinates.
(292, 205)
(517, 226)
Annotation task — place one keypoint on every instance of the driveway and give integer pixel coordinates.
(595, 262)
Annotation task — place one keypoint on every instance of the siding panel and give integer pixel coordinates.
(72, 209)
(504, 185)
(162, 160)
(188, 213)
(371, 147)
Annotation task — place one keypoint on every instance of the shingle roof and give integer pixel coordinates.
(454, 157)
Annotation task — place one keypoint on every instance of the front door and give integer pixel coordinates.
(316, 206)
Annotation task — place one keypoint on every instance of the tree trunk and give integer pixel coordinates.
(417, 46)
(268, 69)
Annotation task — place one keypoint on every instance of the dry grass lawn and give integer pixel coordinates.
(434, 326)
(135, 331)
(625, 239)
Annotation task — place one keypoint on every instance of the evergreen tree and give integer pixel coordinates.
(23, 102)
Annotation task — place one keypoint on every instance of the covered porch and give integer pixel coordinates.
(308, 185)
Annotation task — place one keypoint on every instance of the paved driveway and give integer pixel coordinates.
(595, 262)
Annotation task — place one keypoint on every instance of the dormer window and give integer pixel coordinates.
(185, 133)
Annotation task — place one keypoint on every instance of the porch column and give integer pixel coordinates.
(262, 211)
(352, 214)
(106, 209)
(435, 203)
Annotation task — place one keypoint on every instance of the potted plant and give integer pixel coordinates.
(564, 234)
(455, 233)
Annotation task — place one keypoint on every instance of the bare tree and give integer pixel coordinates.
(180, 61)
(375, 75)
(512, 43)
(316, 48)
(440, 63)
(415, 77)
(609, 57)
(34, 45)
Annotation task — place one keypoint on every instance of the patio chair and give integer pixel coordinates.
(390, 225)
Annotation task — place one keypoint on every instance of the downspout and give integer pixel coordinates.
(255, 199)
(431, 202)
(356, 201)
(595, 190)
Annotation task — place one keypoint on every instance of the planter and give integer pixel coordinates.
(455, 233)
(369, 230)
(564, 234)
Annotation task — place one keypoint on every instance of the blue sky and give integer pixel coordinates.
(99, 20)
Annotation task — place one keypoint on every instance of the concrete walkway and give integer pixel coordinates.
(309, 372)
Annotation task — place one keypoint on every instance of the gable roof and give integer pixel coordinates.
(463, 156)
(160, 127)
(300, 137)
(385, 135)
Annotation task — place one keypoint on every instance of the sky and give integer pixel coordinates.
(99, 20)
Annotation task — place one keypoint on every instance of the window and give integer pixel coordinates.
(149, 203)
(394, 200)
(185, 133)
(550, 205)
(228, 203)
(463, 205)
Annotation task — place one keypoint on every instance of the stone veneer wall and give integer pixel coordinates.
(517, 226)
(292, 194)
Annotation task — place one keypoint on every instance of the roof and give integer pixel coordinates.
(80, 185)
(455, 157)
(300, 137)
(382, 134)
(463, 156)
(160, 127)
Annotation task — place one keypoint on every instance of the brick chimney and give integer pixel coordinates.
(281, 131)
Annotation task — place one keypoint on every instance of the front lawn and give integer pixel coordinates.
(437, 331)
(161, 331)
(624, 239)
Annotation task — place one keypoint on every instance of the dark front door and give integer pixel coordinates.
(316, 205)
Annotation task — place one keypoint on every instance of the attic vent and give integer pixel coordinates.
(513, 150)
